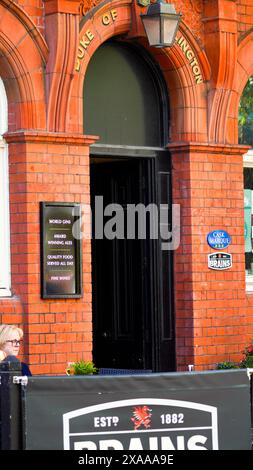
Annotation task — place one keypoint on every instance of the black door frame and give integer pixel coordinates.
(163, 347)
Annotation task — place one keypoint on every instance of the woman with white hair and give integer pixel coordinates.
(10, 340)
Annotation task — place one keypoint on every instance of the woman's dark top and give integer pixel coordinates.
(25, 369)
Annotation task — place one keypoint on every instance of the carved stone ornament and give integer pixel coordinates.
(197, 5)
(87, 5)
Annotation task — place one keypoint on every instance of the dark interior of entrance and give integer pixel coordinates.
(133, 325)
(121, 284)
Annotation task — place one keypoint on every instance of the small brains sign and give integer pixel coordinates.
(220, 261)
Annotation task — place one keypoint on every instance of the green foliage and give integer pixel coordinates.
(227, 365)
(82, 368)
(245, 118)
(247, 361)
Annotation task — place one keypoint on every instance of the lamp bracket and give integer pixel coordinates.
(143, 3)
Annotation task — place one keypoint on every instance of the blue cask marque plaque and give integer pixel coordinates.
(218, 239)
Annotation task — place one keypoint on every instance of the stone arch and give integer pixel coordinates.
(187, 97)
(187, 91)
(243, 71)
(22, 58)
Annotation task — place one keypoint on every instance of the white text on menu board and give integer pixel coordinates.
(60, 239)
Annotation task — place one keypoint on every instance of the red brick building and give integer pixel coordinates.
(65, 66)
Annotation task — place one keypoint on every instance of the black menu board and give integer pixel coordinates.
(60, 250)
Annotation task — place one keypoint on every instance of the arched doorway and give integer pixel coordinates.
(125, 103)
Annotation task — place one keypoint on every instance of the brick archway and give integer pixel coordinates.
(187, 95)
(186, 70)
(22, 57)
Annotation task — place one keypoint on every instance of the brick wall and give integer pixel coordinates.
(46, 169)
(245, 16)
(212, 321)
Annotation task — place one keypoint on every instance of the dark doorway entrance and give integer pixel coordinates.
(121, 284)
(133, 324)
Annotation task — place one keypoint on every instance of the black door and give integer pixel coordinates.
(133, 323)
(120, 316)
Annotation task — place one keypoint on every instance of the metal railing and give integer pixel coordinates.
(10, 407)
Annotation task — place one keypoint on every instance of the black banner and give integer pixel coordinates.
(157, 412)
(60, 247)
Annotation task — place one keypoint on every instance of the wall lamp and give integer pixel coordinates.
(161, 23)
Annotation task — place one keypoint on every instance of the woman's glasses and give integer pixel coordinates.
(14, 342)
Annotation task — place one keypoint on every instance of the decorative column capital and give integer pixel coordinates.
(43, 137)
(208, 148)
(62, 6)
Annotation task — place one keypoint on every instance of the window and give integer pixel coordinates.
(246, 115)
(5, 278)
(245, 120)
(248, 218)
